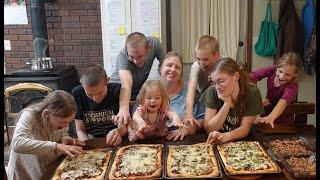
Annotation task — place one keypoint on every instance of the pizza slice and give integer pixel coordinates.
(195, 160)
(139, 161)
(92, 164)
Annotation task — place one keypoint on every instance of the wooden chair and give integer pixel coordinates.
(18, 97)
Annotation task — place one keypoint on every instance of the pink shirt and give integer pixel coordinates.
(288, 91)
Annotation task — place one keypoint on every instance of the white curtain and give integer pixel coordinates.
(219, 18)
(194, 18)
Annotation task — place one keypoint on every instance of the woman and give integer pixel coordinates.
(171, 71)
(38, 138)
(232, 104)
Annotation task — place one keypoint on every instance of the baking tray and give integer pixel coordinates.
(250, 173)
(116, 150)
(289, 172)
(305, 143)
(220, 175)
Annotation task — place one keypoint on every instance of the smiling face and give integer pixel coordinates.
(137, 55)
(153, 100)
(171, 69)
(224, 83)
(58, 123)
(286, 74)
(206, 59)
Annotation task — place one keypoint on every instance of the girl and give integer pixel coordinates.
(38, 137)
(232, 104)
(150, 117)
(282, 88)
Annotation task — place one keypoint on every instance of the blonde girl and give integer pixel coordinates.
(282, 88)
(150, 117)
(38, 139)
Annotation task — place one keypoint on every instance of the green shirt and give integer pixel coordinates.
(253, 106)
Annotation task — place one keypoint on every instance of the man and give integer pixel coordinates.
(207, 54)
(97, 102)
(133, 66)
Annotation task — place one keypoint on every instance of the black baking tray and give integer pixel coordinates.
(116, 150)
(291, 173)
(213, 177)
(251, 173)
(305, 142)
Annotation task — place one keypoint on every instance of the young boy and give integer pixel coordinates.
(97, 102)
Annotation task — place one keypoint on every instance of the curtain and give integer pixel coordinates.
(194, 18)
(225, 25)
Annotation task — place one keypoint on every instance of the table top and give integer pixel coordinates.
(199, 138)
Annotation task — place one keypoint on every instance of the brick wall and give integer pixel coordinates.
(74, 34)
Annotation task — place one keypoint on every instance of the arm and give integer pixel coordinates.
(261, 73)
(192, 88)
(276, 112)
(175, 119)
(213, 121)
(123, 116)
(81, 130)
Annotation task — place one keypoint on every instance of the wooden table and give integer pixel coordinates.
(192, 139)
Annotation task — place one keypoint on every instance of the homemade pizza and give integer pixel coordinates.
(289, 147)
(246, 157)
(301, 167)
(139, 161)
(92, 164)
(195, 160)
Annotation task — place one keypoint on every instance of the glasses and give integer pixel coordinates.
(219, 82)
(131, 58)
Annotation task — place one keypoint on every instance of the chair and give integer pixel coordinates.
(18, 97)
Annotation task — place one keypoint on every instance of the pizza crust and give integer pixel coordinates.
(99, 177)
(214, 168)
(121, 151)
(229, 168)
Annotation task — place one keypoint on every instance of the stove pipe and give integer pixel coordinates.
(39, 28)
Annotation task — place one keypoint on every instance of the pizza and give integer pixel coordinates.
(92, 164)
(300, 167)
(139, 161)
(192, 161)
(246, 157)
(289, 147)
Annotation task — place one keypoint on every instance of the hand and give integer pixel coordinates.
(69, 150)
(72, 141)
(121, 118)
(192, 122)
(266, 120)
(177, 123)
(113, 138)
(225, 99)
(217, 136)
(177, 134)
(265, 102)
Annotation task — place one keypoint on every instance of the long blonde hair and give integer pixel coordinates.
(157, 85)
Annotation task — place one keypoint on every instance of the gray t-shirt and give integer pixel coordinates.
(200, 76)
(139, 74)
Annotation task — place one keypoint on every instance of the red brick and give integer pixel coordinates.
(90, 30)
(93, 13)
(69, 7)
(91, 42)
(54, 31)
(18, 66)
(65, 24)
(72, 42)
(88, 6)
(51, 6)
(95, 36)
(26, 48)
(80, 48)
(94, 24)
(56, 25)
(80, 36)
(19, 43)
(90, 53)
(57, 54)
(63, 48)
(77, 65)
(94, 1)
(70, 18)
(31, 54)
(88, 18)
(25, 37)
(10, 37)
(53, 19)
(71, 31)
(72, 54)
(77, 1)
(49, 25)
(78, 12)
(67, 36)
(17, 31)
(13, 60)
(11, 26)
(19, 54)
(97, 48)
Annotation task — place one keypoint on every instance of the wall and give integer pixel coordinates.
(74, 33)
(307, 81)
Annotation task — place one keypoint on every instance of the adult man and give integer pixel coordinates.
(97, 102)
(207, 54)
(133, 66)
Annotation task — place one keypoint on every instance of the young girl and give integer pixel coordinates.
(282, 88)
(232, 104)
(38, 138)
(150, 117)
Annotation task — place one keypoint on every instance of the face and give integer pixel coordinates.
(153, 100)
(206, 59)
(96, 93)
(286, 74)
(137, 55)
(224, 83)
(59, 123)
(171, 69)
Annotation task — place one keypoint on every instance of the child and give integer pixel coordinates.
(150, 117)
(38, 140)
(282, 88)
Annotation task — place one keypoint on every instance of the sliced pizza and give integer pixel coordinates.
(92, 164)
(246, 157)
(191, 161)
(139, 161)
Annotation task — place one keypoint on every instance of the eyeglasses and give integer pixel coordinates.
(131, 58)
(218, 82)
